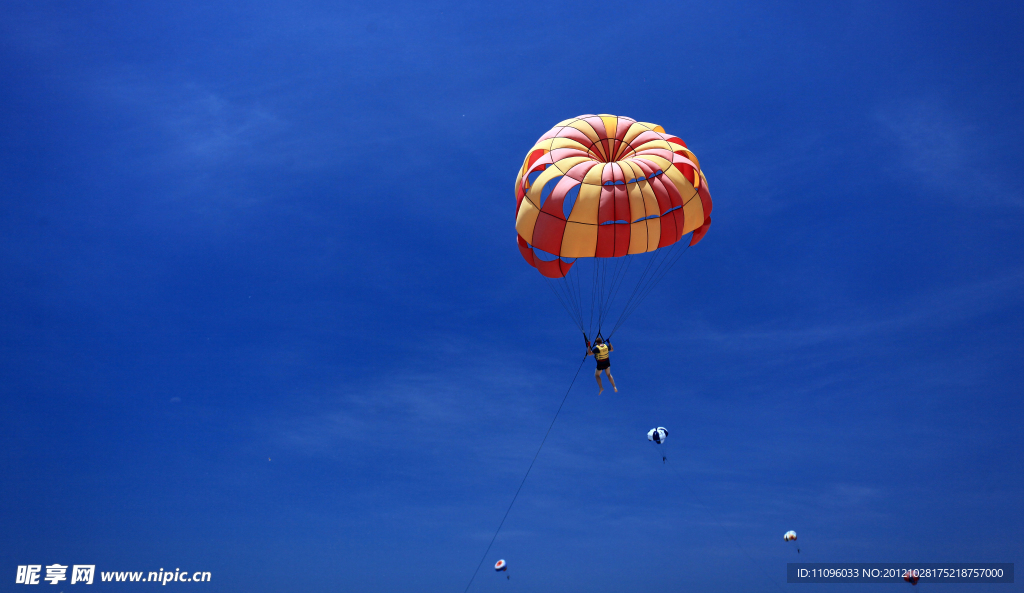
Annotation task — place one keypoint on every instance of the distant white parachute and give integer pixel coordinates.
(790, 536)
(501, 566)
(657, 435)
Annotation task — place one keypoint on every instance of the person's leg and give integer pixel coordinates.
(600, 387)
(608, 371)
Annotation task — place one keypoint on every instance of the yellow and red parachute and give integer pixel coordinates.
(606, 187)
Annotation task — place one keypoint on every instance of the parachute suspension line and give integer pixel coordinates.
(609, 276)
(551, 284)
(616, 287)
(621, 273)
(643, 275)
(577, 291)
(661, 452)
(610, 271)
(609, 288)
(537, 454)
(563, 288)
(664, 267)
(570, 294)
(563, 298)
(601, 268)
(641, 291)
(661, 270)
(593, 294)
(573, 296)
(674, 254)
(693, 494)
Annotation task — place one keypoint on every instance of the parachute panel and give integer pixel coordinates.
(638, 237)
(705, 197)
(587, 203)
(547, 234)
(548, 265)
(693, 211)
(699, 233)
(579, 240)
(526, 220)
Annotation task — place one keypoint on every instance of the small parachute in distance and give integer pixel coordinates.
(911, 577)
(501, 566)
(790, 536)
(658, 435)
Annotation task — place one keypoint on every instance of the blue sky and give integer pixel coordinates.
(263, 313)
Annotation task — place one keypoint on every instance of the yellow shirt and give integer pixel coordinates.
(600, 351)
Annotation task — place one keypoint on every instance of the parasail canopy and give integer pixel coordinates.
(657, 435)
(606, 188)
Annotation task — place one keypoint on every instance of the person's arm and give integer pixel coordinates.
(610, 347)
(589, 352)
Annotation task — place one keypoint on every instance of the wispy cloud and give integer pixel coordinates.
(738, 162)
(194, 126)
(947, 154)
(946, 306)
(427, 403)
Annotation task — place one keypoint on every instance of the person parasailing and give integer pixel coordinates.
(600, 352)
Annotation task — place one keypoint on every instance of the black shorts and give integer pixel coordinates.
(603, 364)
